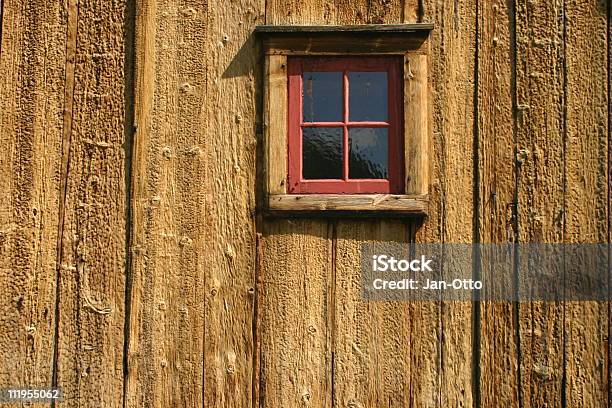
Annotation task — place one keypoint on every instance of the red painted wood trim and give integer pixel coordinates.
(394, 183)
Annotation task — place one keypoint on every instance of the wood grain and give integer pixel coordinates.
(371, 29)
(169, 238)
(89, 366)
(540, 187)
(498, 352)
(275, 124)
(586, 144)
(415, 205)
(451, 217)
(344, 43)
(372, 340)
(233, 115)
(416, 123)
(413, 11)
(32, 74)
(297, 321)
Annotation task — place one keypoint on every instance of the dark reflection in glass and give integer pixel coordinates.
(321, 153)
(368, 96)
(322, 99)
(368, 153)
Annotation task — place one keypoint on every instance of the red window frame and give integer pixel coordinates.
(393, 184)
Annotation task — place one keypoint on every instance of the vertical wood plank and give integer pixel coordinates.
(587, 139)
(89, 364)
(498, 357)
(372, 340)
(413, 11)
(300, 12)
(451, 217)
(297, 316)
(169, 239)
(275, 123)
(540, 185)
(416, 122)
(32, 72)
(233, 123)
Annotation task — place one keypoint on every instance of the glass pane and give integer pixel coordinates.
(368, 153)
(321, 153)
(368, 96)
(322, 99)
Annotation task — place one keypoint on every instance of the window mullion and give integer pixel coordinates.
(345, 144)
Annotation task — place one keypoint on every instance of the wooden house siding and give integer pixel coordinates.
(137, 270)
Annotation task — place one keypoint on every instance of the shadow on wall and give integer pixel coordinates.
(245, 60)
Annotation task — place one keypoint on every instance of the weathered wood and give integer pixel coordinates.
(349, 202)
(498, 334)
(371, 29)
(32, 73)
(413, 11)
(586, 144)
(372, 340)
(344, 43)
(416, 124)
(233, 115)
(197, 220)
(451, 207)
(89, 365)
(540, 185)
(297, 285)
(169, 241)
(275, 123)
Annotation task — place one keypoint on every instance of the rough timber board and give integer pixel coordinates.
(195, 232)
(168, 238)
(31, 122)
(498, 348)
(540, 156)
(91, 285)
(371, 29)
(370, 203)
(586, 144)
(452, 183)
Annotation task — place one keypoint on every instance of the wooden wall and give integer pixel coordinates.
(136, 270)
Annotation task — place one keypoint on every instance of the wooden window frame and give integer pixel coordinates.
(393, 183)
(408, 41)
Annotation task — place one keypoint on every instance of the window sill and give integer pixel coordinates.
(353, 204)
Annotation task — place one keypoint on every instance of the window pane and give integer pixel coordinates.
(368, 96)
(322, 153)
(368, 153)
(322, 100)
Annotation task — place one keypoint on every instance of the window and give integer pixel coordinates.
(344, 122)
(346, 119)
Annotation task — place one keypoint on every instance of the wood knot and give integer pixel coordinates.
(522, 155)
(185, 241)
(186, 87)
(188, 12)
